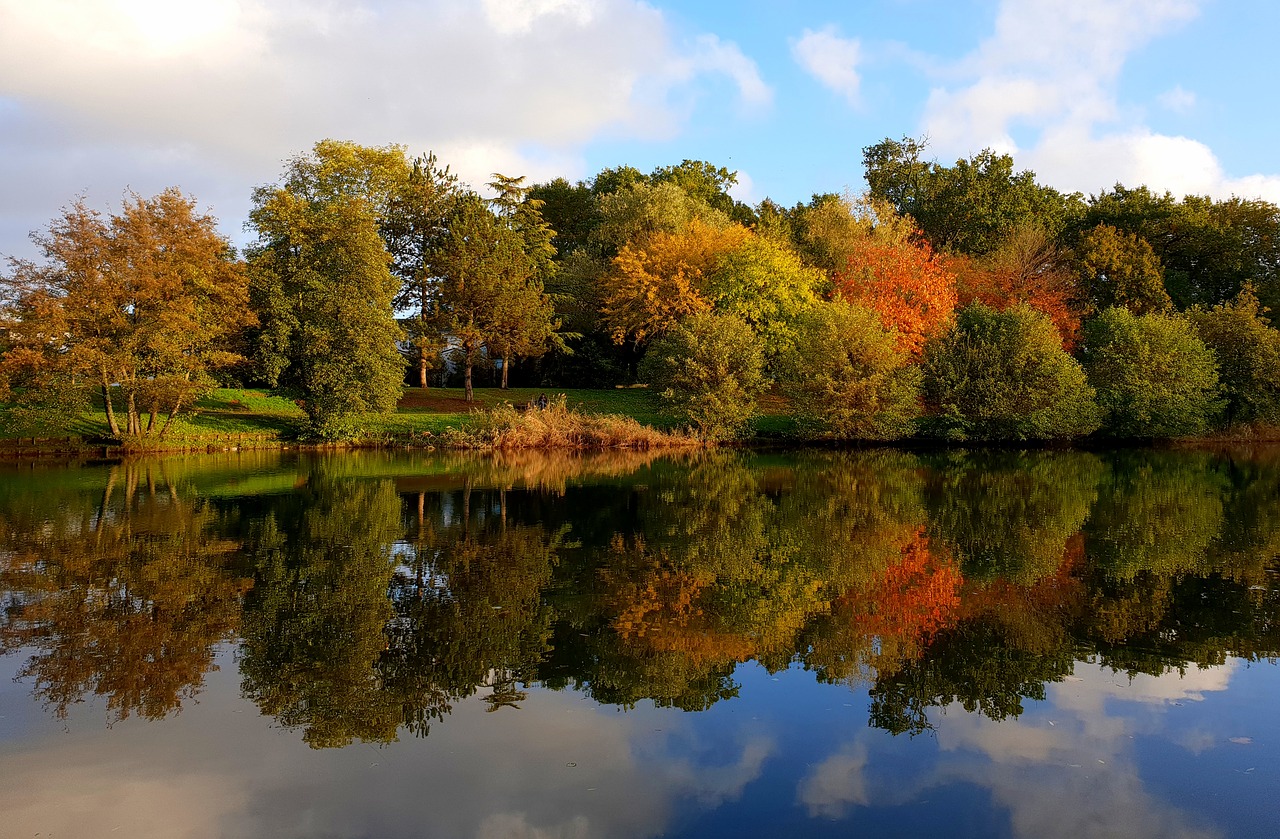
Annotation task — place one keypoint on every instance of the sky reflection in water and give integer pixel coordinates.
(265, 636)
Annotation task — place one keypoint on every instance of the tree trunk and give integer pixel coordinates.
(467, 377)
(151, 419)
(135, 424)
(506, 364)
(177, 406)
(106, 401)
(422, 343)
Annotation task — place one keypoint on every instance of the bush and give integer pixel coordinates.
(709, 369)
(1004, 376)
(1248, 353)
(847, 378)
(1154, 376)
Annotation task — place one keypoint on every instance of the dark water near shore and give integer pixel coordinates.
(820, 644)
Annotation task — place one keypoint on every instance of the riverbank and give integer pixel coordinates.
(577, 419)
(233, 419)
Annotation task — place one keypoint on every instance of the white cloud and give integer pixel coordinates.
(836, 785)
(745, 189)
(1178, 99)
(711, 55)
(104, 94)
(1050, 72)
(831, 60)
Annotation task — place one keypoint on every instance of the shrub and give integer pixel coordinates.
(1004, 376)
(1154, 376)
(1248, 353)
(847, 378)
(709, 369)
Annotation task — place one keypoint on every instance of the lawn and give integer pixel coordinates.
(258, 413)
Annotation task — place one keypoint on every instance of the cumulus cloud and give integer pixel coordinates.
(832, 60)
(112, 93)
(1049, 73)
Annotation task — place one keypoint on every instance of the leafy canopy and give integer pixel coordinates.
(1004, 376)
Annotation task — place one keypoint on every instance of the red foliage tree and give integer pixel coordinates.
(1026, 268)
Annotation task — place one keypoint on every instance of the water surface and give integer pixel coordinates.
(816, 644)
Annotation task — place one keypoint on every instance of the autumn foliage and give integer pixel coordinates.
(911, 600)
(654, 283)
(1026, 268)
(905, 282)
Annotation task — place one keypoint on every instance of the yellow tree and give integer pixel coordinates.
(656, 281)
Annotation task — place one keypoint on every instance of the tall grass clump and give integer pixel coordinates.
(559, 427)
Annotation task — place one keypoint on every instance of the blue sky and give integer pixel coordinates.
(98, 97)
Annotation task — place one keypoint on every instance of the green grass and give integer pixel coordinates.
(259, 414)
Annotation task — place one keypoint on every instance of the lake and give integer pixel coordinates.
(746, 644)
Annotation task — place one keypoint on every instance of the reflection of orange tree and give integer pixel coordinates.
(874, 628)
(754, 559)
(679, 629)
(663, 609)
(125, 597)
(1004, 641)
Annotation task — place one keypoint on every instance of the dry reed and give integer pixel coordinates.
(559, 427)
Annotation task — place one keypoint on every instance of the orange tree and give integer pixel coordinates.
(902, 280)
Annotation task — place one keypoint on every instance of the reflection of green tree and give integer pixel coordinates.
(313, 626)
(1167, 623)
(1158, 512)
(1010, 514)
(123, 596)
(973, 664)
(469, 606)
(1249, 541)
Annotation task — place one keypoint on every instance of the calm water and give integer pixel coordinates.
(825, 644)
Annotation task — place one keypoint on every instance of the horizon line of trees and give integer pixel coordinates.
(966, 302)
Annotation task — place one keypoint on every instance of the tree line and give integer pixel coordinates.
(963, 301)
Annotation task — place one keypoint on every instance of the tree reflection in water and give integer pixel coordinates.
(121, 593)
(370, 594)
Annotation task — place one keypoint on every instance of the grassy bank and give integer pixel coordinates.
(629, 417)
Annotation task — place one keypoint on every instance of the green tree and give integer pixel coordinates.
(1154, 376)
(1004, 376)
(1209, 248)
(414, 229)
(491, 299)
(145, 306)
(969, 207)
(323, 290)
(1247, 349)
(847, 378)
(710, 369)
(706, 183)
(1120, 269)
